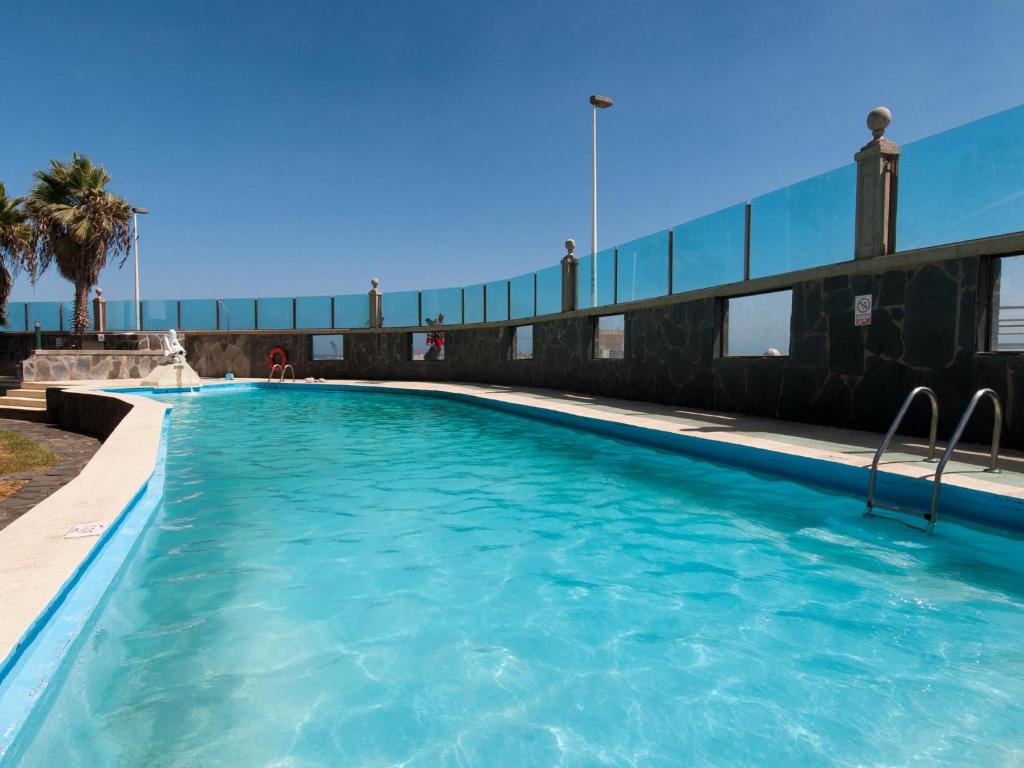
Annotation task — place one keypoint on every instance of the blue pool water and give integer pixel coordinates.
(350, 579)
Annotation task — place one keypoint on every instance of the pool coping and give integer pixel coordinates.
(124, 482)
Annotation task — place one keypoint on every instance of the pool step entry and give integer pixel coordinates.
(276, 367)
(931, 516)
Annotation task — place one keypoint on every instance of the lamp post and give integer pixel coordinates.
(597, 102)
(135, 238)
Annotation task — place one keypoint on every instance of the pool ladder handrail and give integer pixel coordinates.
(283, 370)
(933, 511)
(932, 434)
(993, 459)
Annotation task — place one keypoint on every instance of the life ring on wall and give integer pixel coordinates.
(277, 352)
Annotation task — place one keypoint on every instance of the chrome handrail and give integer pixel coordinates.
(285, 370)
(273, 368)
(892, 432)
(997, 428)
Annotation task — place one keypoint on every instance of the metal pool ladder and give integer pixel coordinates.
(277, 366)
(931, 516)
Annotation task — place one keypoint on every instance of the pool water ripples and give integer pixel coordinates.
(365, 579)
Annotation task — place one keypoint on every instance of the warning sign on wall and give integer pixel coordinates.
(862, 310)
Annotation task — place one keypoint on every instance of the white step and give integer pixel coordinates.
(31, 403)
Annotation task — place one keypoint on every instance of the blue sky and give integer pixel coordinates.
(301, 148)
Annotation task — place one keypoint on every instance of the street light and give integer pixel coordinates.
(138, 301)
(597, 102)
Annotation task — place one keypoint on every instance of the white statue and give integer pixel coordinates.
(172, 347)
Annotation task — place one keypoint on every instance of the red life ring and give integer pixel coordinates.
(274, 354)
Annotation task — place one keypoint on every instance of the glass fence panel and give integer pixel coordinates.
(67, 315)
(642, 268)
(584, 299)
(442, 304)
(352, 311)
(275, 313)
(603, 285)
(121, 315)
(237, 314)
(197, 314)
(401, 308)
(709, 251)
(549, 290)
(806, 224)
(497, 300)
(523, 300)
(962, 184)
(313, 312)
(159, 314)
(473, 303)
(15, 317)
(46, 312)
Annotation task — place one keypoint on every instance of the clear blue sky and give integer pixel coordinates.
(300, 148)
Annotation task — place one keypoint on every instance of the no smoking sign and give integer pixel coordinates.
(862, 310)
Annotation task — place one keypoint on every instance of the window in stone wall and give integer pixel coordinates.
(522, 342)
(1007, 327)
(758, 326)
(329, 346)
(428, 346)
(610, 337)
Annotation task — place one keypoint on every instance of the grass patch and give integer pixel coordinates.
(10, 487)
(18, 453)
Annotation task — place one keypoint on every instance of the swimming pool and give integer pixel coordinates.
(341, 578)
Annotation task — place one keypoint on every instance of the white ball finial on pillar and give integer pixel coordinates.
(878, 120)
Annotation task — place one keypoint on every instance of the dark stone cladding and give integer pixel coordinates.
(923, 332)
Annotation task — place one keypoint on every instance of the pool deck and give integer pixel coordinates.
(36, 559)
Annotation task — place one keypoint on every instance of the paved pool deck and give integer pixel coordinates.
(36, 559)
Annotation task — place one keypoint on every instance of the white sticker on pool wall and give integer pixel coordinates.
(862, 310)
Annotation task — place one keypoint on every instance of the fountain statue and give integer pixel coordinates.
(172, 371)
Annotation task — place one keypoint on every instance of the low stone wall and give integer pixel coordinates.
(86, 364)
(88, 413)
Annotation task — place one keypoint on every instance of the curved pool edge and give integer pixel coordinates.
(52, 584)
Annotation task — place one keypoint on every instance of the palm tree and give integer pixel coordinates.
(17, 244)
(80, 224)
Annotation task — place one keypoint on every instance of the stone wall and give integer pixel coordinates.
(85, 364)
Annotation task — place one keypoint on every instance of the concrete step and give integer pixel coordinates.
(39, 394)
(31, 403)
(35, 385)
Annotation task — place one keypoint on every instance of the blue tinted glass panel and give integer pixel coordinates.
(198, 314)
(352, 311)
(522, 303)
(401, 309)
(274, 313)
(15, 316)
(237, 314)
(643, 268)
(807, 224)
(963, 184)
(583, 294)
(68, 315)
(159, 315)
(46, 312)
(120, 315)
(709, 251)
(474, 303)
(313, 312)
(446, 302)
(549, 290)
(497, 300)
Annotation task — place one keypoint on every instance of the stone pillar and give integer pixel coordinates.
(570, 266)
(99, 312)
(376, 316)
(878, 165)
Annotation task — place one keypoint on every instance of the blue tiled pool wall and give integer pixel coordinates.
(958, 185)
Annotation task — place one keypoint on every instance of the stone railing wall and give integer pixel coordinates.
(87, 364)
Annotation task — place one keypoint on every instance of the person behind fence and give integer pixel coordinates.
(435, 341)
